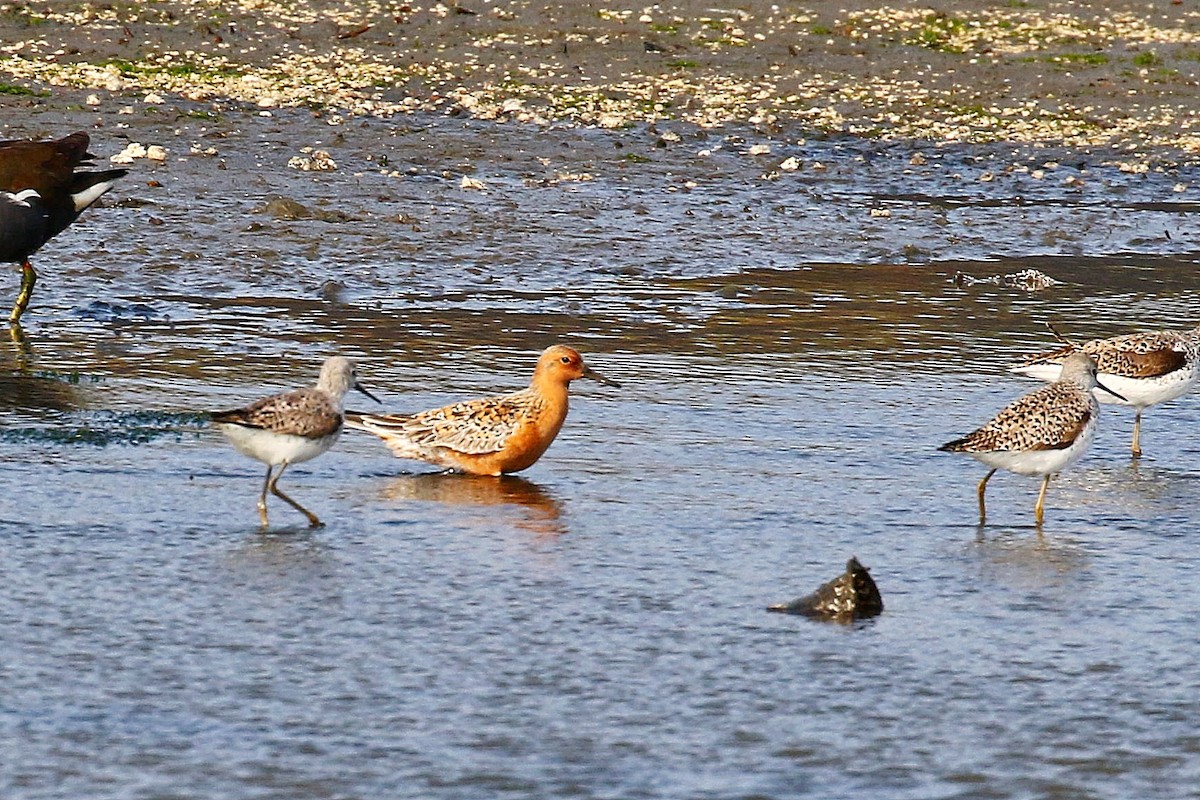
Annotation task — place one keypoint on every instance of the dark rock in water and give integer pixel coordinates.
(852, 595)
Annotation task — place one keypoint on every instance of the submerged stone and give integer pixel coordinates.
(852, 595)
(281, 207)
(1029, 280)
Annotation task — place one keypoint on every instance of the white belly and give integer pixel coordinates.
(276, 448)
(1143, 392)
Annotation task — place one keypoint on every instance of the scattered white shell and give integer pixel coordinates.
(153, 99)
(318, 161)
(790, 164)
(156, 153)
(132, 150)
(92, 100)
(609, 119)
(759, 149)
(473, 183)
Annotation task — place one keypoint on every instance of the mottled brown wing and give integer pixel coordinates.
(474, 427)
(1149, 364)
(1050, 418)
(303, 412)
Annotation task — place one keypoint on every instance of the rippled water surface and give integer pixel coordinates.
(595, 627)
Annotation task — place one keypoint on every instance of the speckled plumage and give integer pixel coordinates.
(310, 413)
(1144, 368)
(1050, 418)
(51, 169)
(291, 427)
(1040, 433)
(491, 435)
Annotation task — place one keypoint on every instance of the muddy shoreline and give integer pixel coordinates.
(1081, 75)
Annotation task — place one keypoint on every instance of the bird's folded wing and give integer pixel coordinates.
(474, 427)
(302, 412)
(1048, 419)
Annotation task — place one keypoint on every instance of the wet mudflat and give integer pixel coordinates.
(792, 349)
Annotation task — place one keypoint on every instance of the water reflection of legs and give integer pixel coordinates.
(543, 510)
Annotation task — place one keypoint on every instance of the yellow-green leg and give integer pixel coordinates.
(1040, 507)
(1137, 434)
(28, 280)
(313, 522)
(980, 491)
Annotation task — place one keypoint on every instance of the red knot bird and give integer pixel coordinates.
(42, 191)
(1041, 433)
(292, 427)
(491, 435)
(1143, 369)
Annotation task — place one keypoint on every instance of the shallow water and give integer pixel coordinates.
(595, 627)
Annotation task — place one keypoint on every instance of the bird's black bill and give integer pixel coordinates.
(1101, 386)
(588, 372)
(359, 387)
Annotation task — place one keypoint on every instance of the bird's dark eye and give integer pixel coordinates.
(566, 359)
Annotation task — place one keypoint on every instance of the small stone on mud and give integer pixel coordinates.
(850, 596)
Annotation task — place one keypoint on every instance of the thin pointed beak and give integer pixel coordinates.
(1100, 385)
(360, 388)
(588, 372)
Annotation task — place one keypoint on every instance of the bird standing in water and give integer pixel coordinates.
(41, 193)
(1041, 433)
(292, 427)
(1144, 368)
(491, 435)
